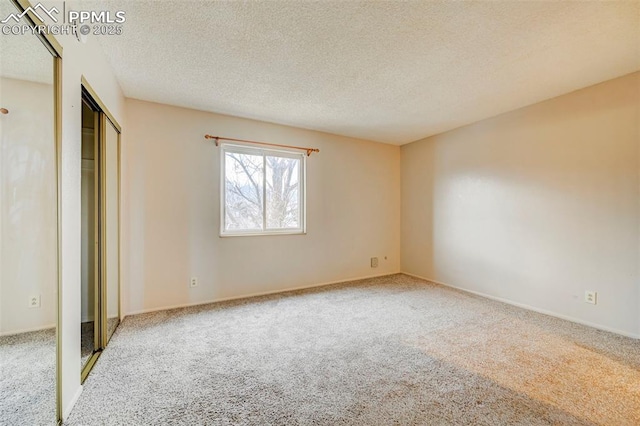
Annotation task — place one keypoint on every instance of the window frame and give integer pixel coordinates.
(264, 152)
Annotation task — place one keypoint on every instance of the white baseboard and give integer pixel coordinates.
(530, 308)
(67, 410)
(247, 296)
(27, 330)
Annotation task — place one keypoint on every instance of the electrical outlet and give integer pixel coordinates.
(194, 282)
(374, 262)
(591, 297)
(34, 301)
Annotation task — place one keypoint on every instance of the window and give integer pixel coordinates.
(262, 191)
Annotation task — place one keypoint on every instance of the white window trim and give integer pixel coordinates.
(228, 147)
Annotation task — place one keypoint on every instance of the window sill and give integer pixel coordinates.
(262, 234)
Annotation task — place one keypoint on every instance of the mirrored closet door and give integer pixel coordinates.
(90, 322)
(100, 228)
(28, 225)
(111, 211)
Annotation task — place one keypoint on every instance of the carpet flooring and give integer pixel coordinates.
(28, 378)
(383, 351)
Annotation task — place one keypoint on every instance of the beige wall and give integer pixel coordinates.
(171, 211)
(534, 206)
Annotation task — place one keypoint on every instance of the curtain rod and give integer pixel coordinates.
(217, 139)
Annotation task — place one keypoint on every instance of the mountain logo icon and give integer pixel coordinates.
(34, 9)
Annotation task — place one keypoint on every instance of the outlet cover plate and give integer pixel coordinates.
(591, 297)
(34, 301)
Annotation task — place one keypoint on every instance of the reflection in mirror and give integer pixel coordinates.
(28, 231)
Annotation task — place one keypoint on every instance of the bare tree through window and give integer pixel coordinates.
(262, 191)
(282, 192)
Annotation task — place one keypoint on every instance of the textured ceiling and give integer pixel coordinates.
(23, 57)
(392, 72)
